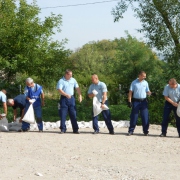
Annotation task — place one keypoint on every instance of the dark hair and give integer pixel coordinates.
(141, 72)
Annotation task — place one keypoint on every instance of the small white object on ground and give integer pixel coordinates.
(38, 174)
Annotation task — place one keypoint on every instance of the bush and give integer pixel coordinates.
(84, 111)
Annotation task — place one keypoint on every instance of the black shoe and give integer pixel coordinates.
(76, 132)
(130, 133)
(23, 130)
(96, 132)
(111, 132)
(146, 134)
(40, 130)
(162, 135)
(62, 132)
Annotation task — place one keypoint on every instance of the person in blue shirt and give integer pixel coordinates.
(33, 91)
(172, 96)
(65, 87)
(138, 92)
(18, 102)
(3, 99)
(101, 88)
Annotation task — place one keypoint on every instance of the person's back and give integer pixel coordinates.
(19, 101)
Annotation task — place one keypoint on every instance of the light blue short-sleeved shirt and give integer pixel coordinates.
(67, 85)
(3, 97)
(35, 88)
(139, 89)
(173, 94)
(100, 88)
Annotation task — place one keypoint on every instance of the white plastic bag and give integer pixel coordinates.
(14, 126)
(29, 116)
(178, 109)
(97, 107)
(4, 125)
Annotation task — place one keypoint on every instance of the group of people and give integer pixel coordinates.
(137, 100)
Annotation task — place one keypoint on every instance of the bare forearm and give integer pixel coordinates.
(129, 96)
(62, 92)
(42, 97)
(78, 91)
(104, 99)
(5, 108)
(170, 101)
(91, 95)
(15, 114)
(22, 114)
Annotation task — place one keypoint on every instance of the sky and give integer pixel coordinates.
(86, 23)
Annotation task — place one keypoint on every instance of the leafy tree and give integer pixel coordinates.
(160, 23)
(116, 62)
(26, 46)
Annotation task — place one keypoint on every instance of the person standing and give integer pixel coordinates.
(34, 91)
(65, 87)
(137, 100)
(18, 102)
(101, 88)
(3, 98)
(172, 96)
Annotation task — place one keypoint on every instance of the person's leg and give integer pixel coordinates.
(177, 120)
(144, 116)
(134, 116)
(166, 113)
(72, 114)
(95, 123)
(38, 114)
(107, 118)
(25, 125)
(63, 113)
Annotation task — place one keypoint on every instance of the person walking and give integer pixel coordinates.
(18, 102)
(101, 88)
(33, 91)
(65, 87)
(137, 100)
(172, 96)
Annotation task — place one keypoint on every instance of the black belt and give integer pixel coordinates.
(139, 100)
(65, 96)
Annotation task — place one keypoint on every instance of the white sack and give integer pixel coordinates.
(97, 107)
(29, 116)
(33, 127)
(178, 109)
(14, 126)
(58, 124)
(4, 125)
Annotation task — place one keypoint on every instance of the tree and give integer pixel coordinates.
(116, 62)
(160, 23)
(25, 41)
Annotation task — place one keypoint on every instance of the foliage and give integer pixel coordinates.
(160, 23)
(26, 46)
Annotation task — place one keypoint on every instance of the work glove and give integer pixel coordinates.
(130, 104)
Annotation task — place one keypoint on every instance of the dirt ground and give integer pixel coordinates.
(90, 157)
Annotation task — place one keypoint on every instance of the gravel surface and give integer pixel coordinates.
(51, 155)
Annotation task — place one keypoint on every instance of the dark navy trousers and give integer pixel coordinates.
(168, 107)
(107, 118)
(68, 106)
(141, 106)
